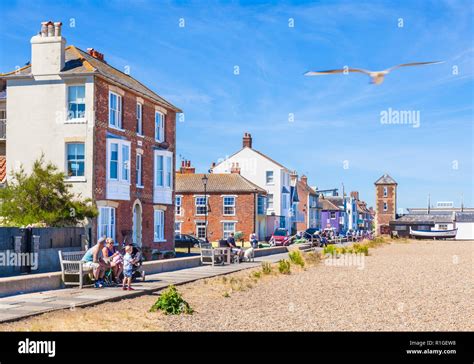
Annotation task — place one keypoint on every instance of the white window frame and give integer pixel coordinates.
(159, 226)
(198, 225)
(228, 232)
(121, 165)
(267, 175)
(233, 205)
(206, 201)
(139, 118)
(166, 169)
(75, 178)
(385, 206)
(117, 111)
(139, 170)
(162, 193)
(178, 207)
(159, 127)
(270, 201)
(179, 230)
(75, 119)
(110, 214)
(385, 191)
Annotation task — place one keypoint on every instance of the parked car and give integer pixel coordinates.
(186, 241)
(280, 237)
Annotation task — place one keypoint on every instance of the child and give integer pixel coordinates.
(128, 263)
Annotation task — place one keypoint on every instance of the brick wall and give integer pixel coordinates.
(384, 217)
(244, 215)
(124, 212)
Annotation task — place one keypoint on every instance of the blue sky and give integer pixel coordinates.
(336, 136)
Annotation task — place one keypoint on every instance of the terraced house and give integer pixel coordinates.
(112, 136)
(229, 204)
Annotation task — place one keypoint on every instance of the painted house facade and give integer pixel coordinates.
(269, 175)
(332, 216)
(112, 136)
(308, 206)
(233, 203)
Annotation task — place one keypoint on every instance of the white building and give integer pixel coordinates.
(465, 224)
(267, 174)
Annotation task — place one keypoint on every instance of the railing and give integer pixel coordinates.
(3, 129)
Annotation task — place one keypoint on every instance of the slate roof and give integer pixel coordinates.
(464, 216)
(218, 182)
(336, 201)
(385, 179)
(80, 62)
(425, 218)
(306, 187)
(327, 205)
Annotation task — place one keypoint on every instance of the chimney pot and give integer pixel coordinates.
(50, 29)
(57, 29)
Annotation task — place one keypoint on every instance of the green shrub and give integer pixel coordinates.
(296, 258)
(266, 268)
(284, 266)
(257, 274)
(329, 249)
(360, 249)
(171, 303)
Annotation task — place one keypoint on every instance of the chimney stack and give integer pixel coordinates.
(96, 54)
(48, 50)
(186, 168)
(247, 140)
(235, 168)
(355, 195)
(293, 177)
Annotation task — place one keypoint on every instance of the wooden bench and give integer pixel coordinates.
(71, 264)
(213, 256)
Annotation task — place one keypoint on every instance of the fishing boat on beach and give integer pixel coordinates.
(434, 234)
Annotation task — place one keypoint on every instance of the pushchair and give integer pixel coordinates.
(137, 269)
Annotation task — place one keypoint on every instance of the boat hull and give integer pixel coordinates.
(434, 234)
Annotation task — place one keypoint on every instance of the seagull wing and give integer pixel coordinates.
(329, 72)
(412, 64)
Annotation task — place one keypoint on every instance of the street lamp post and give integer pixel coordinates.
(204, 182)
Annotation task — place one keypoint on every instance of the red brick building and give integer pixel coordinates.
(114, 138)
(385, 203)
(233, 204)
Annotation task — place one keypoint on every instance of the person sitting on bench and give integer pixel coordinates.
(231, 244)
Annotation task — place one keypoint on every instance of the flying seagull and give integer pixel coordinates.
(377, 77)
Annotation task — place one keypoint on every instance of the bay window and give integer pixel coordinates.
(118, 169)
(163, 177)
